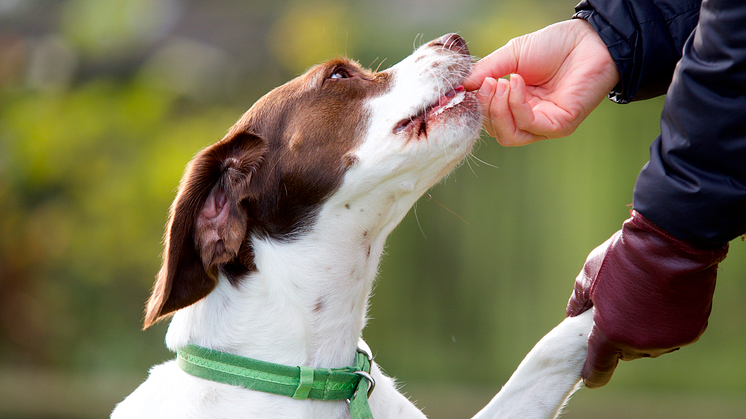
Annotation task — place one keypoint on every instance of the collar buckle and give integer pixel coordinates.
(371, 381)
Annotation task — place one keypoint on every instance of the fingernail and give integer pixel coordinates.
(501, 88)
(513, 82)
(486, 88)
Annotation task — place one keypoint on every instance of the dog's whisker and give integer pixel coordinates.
(380, 64)
(417, 219)
(468, 163)
(414, 42)
(472, 156)
(446, 208)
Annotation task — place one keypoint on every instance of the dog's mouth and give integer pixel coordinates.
(419, 121)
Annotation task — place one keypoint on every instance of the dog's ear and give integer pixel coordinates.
(207, 223)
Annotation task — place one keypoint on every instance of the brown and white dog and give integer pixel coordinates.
(275, 236)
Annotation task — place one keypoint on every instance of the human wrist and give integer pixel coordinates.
(589, 39)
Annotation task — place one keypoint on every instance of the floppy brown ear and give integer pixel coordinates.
(207, 223)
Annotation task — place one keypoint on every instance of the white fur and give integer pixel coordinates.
(273, 314)
(548, 375)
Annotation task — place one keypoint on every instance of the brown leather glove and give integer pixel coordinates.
(652, 294)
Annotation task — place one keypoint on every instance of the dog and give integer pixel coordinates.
(274, 239)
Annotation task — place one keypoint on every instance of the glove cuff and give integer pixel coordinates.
(638, 222)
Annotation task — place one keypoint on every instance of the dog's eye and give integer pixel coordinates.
(340, 73)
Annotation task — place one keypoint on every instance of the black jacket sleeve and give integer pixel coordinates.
(645, 39)
(694, 186)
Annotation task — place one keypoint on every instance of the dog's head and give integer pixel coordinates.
(337, 130)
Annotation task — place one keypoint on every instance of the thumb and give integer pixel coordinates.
(496, 65)
(601, 361)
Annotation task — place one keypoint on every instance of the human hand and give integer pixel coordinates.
(651, 294)
(561, 73)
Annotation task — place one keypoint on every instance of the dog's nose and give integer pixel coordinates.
(452, 42)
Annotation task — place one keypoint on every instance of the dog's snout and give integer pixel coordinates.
(452, 42)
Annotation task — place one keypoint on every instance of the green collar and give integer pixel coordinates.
(297, 382)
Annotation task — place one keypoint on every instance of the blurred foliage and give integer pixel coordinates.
(102, 103)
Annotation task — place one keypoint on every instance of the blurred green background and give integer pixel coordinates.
(103, 102)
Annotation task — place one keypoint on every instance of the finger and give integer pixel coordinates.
(519, 106)
(601, 361)
(499, 118)
(500, 63)
(580, 300)
(485, 96)
(543, 119)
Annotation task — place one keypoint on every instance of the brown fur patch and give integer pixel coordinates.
(267, 177)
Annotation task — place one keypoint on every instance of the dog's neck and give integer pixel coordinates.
(306, 303)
